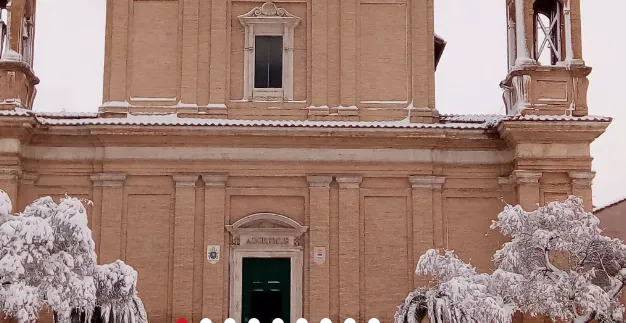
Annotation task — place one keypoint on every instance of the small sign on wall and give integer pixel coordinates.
(319, 254)
(213, 254)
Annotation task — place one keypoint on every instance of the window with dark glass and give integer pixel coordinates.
(268, 62)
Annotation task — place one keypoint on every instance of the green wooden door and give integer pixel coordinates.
(266, 289)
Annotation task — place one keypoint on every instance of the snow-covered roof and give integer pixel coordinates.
(613, 203)
(448, 121)
(173, 120)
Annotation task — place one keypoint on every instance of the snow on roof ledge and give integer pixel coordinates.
(450, 121)
(174, 120)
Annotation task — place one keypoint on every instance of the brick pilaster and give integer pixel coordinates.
(529, 197)
(349, 247)
(427, 219)
(112, 185)
(27, 192)
(185, 208)
(319, 222)
(528, 193)
(214, 280)
(581, 186)
(9, 182)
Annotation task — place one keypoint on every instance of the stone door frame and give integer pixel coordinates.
(266, 235)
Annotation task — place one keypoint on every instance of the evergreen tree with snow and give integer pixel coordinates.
(557, 264)
(48, 260)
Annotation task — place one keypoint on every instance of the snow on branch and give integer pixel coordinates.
(460, 293)
(48, 259)
(557, 264)
(571, 270)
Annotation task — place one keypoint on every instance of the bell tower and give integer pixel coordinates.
(546, 74)
(17, 35)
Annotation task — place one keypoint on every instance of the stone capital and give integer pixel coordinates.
(319, 180)
(349, 181)
(525, 177)
(506, 183)
(185, 180)
(215, 179)
(430, 182)
(582, 178)
(9, 176)
(29, 178)
(108, 179)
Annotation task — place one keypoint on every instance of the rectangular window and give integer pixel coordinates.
(268, 62)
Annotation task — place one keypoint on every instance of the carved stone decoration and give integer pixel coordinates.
(266, 230)
(269, 9)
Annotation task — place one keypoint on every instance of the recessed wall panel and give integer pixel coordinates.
(383, 55)
(154, 69)
(385, 255)
(147, 249)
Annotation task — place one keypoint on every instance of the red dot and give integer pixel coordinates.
(181, 320)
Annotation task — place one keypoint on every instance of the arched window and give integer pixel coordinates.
(548, 42)
(28, 29)
(4, 29)
(27, 40)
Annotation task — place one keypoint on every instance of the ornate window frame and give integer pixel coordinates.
(268, 20)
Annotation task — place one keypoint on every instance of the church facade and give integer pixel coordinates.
(286, 159)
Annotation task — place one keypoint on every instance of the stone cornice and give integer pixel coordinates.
(320, 180)
(349, 181)
(431, 182)
(29, 178)
(514, 132)
(214, 179)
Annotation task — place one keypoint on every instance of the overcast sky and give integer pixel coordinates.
(69, 54)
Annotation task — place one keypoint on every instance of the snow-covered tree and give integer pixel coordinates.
(571, 271)
(48, 259)
(459, 295)
(557, 264)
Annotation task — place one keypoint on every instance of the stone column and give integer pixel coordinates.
(319, 223)
(185, 209)
(349, 247)
(581, 186)
(214, 279)
(111, 215)
(528, 193)
(423, 206)
(520, 22)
